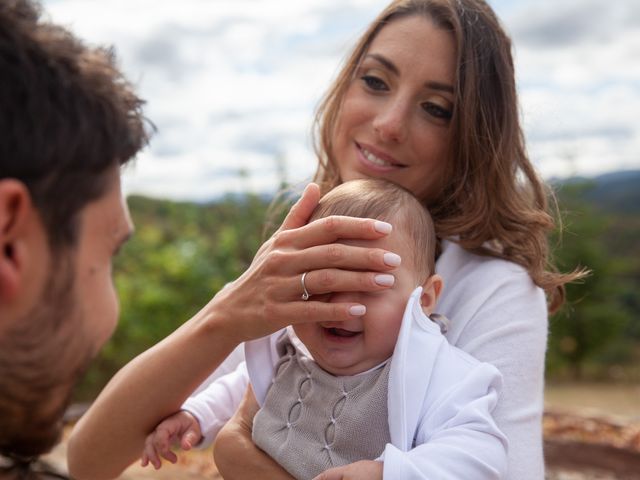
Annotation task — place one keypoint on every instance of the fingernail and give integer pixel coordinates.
(385, 280)
(357, 310)
(382, 227)
(392, 259)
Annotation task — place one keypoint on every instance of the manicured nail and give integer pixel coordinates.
(357, 310)
(392, 259)
(385, 280)
(383, 227)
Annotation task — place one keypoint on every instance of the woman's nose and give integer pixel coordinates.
(391, 122)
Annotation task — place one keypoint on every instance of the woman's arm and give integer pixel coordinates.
(234, 442)
(263, 300)
(151, 387)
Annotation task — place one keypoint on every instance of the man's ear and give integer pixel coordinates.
(15, 211)
(431, 290)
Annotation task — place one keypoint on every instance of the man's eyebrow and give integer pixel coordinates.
(393, 69)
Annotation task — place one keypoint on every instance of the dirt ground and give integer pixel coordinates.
(592, 432)
(194, 465)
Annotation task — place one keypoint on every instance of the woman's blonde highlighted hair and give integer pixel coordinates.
(492, 201)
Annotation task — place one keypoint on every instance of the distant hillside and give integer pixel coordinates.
(617, 192)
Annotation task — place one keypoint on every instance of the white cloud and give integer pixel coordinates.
(231, 84)
(579, 76)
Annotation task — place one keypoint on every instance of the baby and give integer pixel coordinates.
(383, 387)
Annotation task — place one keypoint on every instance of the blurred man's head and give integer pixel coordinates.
(68, 121)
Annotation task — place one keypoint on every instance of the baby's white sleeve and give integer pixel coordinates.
(215, 405)
(457, 436)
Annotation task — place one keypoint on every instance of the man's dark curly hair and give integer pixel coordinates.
(66, 115)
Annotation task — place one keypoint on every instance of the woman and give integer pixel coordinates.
(426, 100)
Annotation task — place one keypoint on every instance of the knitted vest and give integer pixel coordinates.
(312, 421)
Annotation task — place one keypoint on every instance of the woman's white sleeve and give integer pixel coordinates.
(499, 316)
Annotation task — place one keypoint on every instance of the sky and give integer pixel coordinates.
(231, 85)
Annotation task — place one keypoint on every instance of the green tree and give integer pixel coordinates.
(594, 317)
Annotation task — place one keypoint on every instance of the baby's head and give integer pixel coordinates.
(354, 346)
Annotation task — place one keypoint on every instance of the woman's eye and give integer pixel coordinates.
(374, 83)
(437, 111)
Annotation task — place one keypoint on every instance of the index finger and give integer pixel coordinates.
(333, 228)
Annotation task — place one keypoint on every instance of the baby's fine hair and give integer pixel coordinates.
(386, 201)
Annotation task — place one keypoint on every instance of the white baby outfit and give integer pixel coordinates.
(312, 420)
(439, 403)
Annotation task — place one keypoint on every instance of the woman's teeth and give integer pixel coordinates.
(373, 159)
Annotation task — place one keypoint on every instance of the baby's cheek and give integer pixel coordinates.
(383, 340)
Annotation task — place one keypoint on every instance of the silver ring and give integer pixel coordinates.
(305, 295)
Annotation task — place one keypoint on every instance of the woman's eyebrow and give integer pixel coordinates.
(389, 65)
(385, 61)
(439, 86)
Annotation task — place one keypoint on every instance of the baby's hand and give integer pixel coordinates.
(362, 470)
(180, 428)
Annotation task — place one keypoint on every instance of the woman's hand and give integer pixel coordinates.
(234, 442)
(362, 470)
(267, 296)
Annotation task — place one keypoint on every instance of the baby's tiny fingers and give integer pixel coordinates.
(170, 456)
(150, 452)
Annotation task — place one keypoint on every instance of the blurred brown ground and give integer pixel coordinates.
(592, 432)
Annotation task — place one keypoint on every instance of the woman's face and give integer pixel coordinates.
(395, 116)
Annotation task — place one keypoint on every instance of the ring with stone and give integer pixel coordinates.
(305, 294)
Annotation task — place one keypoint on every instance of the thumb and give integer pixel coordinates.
(247, 409)
(299, 214)
(190, 438)
(332, 474)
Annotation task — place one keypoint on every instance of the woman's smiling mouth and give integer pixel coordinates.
(375, 159)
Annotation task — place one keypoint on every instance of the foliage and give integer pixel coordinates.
(183, 253)
(597, 333)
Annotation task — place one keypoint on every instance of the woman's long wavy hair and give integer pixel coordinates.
(492, 201)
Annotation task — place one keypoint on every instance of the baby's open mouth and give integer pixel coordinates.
(341, 332)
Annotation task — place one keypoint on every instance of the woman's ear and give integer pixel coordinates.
(431, 290)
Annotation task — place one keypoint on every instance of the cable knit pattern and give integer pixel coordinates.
(312, 420)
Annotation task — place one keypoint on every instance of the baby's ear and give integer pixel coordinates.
(431, 290)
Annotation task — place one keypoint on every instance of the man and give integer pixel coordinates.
(68, 121)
